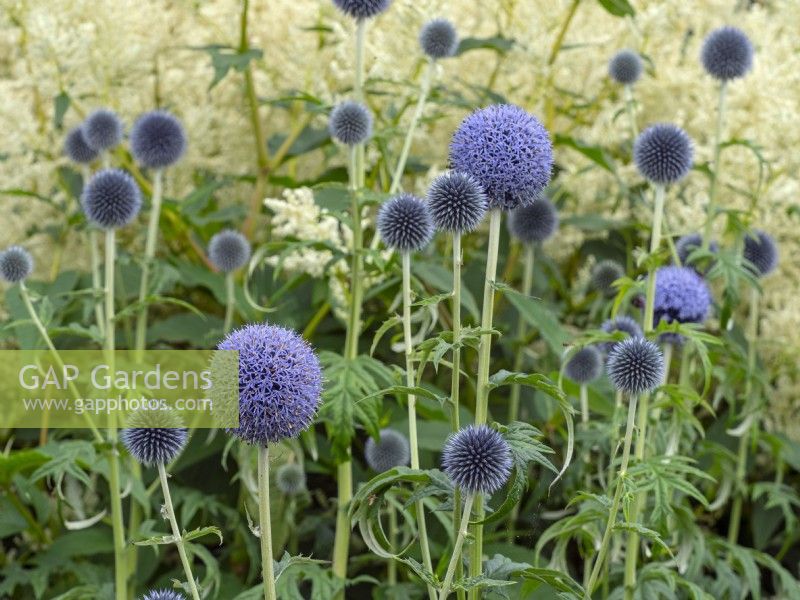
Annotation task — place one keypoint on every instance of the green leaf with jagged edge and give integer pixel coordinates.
(498, 43)
(202, 532)
(556, 579)
(644, 532)
(351, 396)
(387, 325)
(224, 58)
(479, 582)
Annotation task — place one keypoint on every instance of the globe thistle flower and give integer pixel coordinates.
(228, 250)
(604, 274)
(16, 264)
(457, 202)
(391, 451)
(111, 199)
(102, 130)
(691, 242)
(163, 595)
(761, 251)
(681, 295)
(158, 139)
(625, 67)
(438, 39)
(508, 151)
(154, 437)
(280, 382)
(624, 324)
(535, 222)
(405, 223)
(477, 459)
(585, 365)
(663, 153)
(635, 366)
(76, 148)
(290, 479)
(727, 53)
(350, 123)
(362, 9)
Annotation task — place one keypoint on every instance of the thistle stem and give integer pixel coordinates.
(94, 254)
(584, 400)
(391, 567)
(140, 340)
(482, 395)
(176, 532)
(455, 382)
(712, 189)
(612, 514)
(412, 413)
(455, 559)
(230, 302)
(265, 527)
(630, 108)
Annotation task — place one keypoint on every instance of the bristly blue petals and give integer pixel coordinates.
(438, 39)
(585, 365)
(457, 202)
(228, 250)
(405, 223)
(391, 451)
(477, 459)
(76, 148)
(16, 264)
(350, 123)
(158, 140)
(625, 67)
(362, 9)
(604, 274)
(635, 366)
(761, 251)
(111, 199)
(290, 479)
(535, 222)
(727, 53)
(663, 153)
(624, 324)
(102, 130)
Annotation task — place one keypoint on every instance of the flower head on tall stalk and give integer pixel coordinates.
(229, 251)
(111, 199)
(16, 264)
(158, 140)
(584, 366)
(391, 450)
(103, 130)
(687, 244)
(603, 276)
(761, 253)
(77, 149)
(362, 9)
(727, 54)
(663, 154)
(625, 67)
(622, 324)
(682, 295)
(290, 479)
(163, 595)
(350, 123)
(438, 39)
(534, 223)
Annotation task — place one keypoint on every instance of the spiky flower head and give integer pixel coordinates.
(438, 39)
(635, 366)
(604, 274)
(535, 222)
(727, 53)
(761, 251)
(681, 295)
(228, 250)
(625, 67)
(405, 223)
(154, 437)
(457, 202)
(76, 148)
(477, 459)
(111, 199)
(624, 324)
(362, 9)
(102, 130)
(163, 595)
(585, 365)
(391, 451)
(663, 153)
(280, 382)
(16, 264)
(350, 123)
(689, 243)
(290, 479)
(158, 139)
(507, 150)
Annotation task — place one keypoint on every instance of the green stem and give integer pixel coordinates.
(94, 254)
(630, 108)
(584, 401)
(712, 190)
(140, 340)
(176, 532)
(425, 88)
(455, 559)
(455, 381)
(265, 527)
(391, 567)
(230, 302)
(412, 414)
(612, 514)
(741, 455)
(482, 393)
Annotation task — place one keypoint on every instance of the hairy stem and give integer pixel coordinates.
(712, 189)
(265, 526)
(455, 381)
(230, 302)
(455, 559)
(149, 254)
(176, 532)
(630, 108)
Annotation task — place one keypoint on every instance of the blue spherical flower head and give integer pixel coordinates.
(477, 459)
(16, 264)
(111, 199)
(457, 202)
(624, 324)
(585, 365)
(102, 130)
(438, 39)
(163, 595)
(158, 139)
(727, 53)
(228, 250)
(535, 222)
(663, 153)
(691, 242)
(391, 451)
(350, 123)
(76, 148)
(604, 274)
(681, 295)
(362, 9)
(290, 479)
(761, 251)
(280, 382)
(625, 67)
(154, 437)
(405, 223)
(635, 366)
(508, 151)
